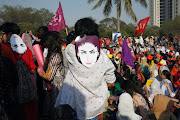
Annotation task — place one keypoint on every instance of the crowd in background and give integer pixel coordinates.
(69, 87)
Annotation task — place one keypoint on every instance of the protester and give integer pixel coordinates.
(39, 34)
(125, 108)
(7, 29)
(24, 59)
(161, 108)
(90, 72)
(53, 67)
(166, 76)
(139, 100)
(8, 89)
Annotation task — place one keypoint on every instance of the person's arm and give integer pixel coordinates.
(52, 68)
(109, 66)
(32, 36)
(147, 93)
(169, 89)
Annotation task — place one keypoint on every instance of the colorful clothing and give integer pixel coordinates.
(55, 74)
(27, 58)
(141, 106)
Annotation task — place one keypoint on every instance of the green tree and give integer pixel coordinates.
(26, 18)
(127, 6)
(171, 27)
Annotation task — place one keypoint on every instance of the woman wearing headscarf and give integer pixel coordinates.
(141, 104)
(90, 70)
(165, 74)
(161, 108)
(154, 89)
(126, 108)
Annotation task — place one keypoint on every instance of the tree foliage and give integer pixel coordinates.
(26, 18)
(118, 3)
(171, 27)
(108, 25)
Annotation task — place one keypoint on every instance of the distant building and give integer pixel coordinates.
(162, 10)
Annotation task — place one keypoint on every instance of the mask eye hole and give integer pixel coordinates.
(22, 45)
(15, 46)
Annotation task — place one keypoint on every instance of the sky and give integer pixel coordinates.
(74, 10)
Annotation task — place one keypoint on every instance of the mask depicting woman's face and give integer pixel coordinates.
(88, 54)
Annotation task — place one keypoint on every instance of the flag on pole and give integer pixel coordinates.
(57, 23)
(126, 54)
(141, 25)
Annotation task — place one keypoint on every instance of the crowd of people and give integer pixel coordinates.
(85, 77)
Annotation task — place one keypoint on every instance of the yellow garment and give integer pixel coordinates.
(152, 64)
(47, 75)
(110, 55)
(130, 68)
(148, 83)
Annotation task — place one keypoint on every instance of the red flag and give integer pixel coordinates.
(57, 23)
(141, 25)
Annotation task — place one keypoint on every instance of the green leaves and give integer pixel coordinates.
(26, 18)
(127, 7)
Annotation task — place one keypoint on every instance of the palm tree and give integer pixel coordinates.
(127, 7)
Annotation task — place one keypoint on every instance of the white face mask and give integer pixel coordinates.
(88, 54)
(17, 44)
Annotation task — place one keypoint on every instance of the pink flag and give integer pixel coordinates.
(57, 23)
(39, 56)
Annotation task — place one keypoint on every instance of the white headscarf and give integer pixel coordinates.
(126, 108)
(164, 68)
(155, 89)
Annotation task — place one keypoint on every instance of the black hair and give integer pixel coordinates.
(126, 71)
(71, 36)
(130, 87)
(41, 31)
(53, 42)
(10, 27)
(135, 80)
(167, 74)
(86, 26)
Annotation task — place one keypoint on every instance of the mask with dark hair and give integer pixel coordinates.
(87, 49)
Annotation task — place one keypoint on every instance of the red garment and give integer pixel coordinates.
(108, 42)
(27, 58)
(101, 42)
(7, 52)
(111, 50)
(30, 110)
(120, 41)
(177, 76)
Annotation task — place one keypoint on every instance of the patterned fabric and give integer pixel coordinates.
(89, 85)
(55, 74)
(141, 106)
(8, 89)
(25, 89)
(8, 81)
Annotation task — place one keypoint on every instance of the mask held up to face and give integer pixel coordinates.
(17, 44)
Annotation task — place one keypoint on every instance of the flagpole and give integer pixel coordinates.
(66, 31)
